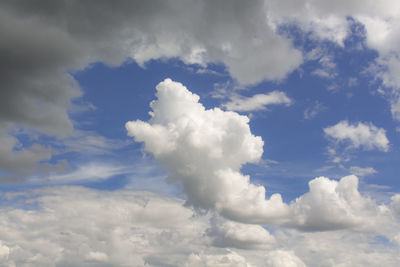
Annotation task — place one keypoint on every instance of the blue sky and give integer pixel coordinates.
(195, 134)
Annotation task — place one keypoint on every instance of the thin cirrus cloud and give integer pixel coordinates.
(207, 163)
(257, 102)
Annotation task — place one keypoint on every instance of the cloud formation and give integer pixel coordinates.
(76, 226)
(204, 150)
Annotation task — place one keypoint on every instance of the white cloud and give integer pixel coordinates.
(331, 204)
(203, 151)
(244, 236)
(96, 256)
(282, 258)
(325, 21)
(257, 102)
(76, 226)
(359, 135)
(222, 260)
(359, 171)
(4, 251)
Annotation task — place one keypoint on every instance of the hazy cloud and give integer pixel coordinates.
(359, 171)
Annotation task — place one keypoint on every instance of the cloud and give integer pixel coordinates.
(279, 258)
(359, 171)
(359, 135)
(87, 142)
(331, 204)
(18, 160)
(42, 44)
(204, 150)
(314, 110)
(204, 260)
(396, 204)
(237, 235)
(257, 102)
(77, 226)
(93, 171)
(328, 68)
(323, 21)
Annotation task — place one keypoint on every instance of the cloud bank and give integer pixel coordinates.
(76, 226)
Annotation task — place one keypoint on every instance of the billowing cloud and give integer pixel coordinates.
(244, 236)
(203, 151)
(359, 135)
(76, 226)
(257, 102)
(331, 204)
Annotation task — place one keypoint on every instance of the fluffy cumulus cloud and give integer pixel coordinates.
(331, 204)
(359, 135)
(257, 102)
(203, 151)
(244, 236)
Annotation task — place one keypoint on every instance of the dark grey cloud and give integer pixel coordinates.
(42, 42)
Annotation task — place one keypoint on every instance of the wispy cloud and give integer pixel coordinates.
(257, 102)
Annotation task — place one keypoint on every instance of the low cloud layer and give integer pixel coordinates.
(204, 150)
(76, 226)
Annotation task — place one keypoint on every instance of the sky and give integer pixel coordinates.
(200, 133)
